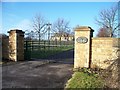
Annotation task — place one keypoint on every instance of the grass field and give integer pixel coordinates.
(44, 53)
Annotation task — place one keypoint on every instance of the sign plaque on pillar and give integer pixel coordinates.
(82, 40)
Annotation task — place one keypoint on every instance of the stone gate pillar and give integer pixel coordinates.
(82, 47)
(16, 45)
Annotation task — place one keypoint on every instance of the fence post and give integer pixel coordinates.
(82, 47)
(25, 50)
(16, 45)
(32, 44)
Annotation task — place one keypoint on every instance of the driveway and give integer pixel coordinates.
(33, 74)
(37, 74)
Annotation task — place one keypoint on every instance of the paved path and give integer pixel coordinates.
(37, 74)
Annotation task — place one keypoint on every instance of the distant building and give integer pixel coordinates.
(63, 37)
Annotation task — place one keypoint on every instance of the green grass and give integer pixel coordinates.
(85, 80)
(44, 53)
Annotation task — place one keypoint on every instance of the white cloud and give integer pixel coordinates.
(22, 25)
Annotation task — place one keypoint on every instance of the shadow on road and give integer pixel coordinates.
(63, 57)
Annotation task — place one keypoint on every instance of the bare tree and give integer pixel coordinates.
(29, 35)
(38, 25)
(103, 32)
(61, 28)
(108, 18)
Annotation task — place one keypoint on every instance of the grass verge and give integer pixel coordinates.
(85, 80)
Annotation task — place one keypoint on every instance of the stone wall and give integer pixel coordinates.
(20, 45)
(82, 55)
(5, 47)
(104, 51)
(16, 45)
(12, 45)
(96, 52)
